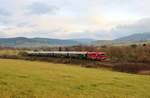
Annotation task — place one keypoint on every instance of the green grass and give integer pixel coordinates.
(27, 79)
(8, 52)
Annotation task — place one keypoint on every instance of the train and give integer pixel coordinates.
(68, 54)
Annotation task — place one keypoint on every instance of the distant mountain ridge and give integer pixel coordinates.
(29, 42)
(38, 42)
(135, 37)
(84, 40)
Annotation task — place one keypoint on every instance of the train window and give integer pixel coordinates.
(101, 54)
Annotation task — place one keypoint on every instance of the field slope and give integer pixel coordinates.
(27, 79)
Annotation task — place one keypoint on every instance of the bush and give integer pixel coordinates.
(128, 54)
(131, 67)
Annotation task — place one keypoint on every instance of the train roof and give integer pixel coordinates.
(97, 52)
(60, 52)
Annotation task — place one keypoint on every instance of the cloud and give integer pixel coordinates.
(4, 12)
(100, 19)
(140, 26)
(4, 16)
(41, 8)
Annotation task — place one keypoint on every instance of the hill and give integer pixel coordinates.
(131, 39)
(38, 42)
(134, 37)
(32, 79)
(32, 42)
(84, 40)
(102, 42)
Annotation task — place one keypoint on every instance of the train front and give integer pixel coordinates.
(100, 56)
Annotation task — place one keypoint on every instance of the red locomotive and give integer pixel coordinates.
(96, 55)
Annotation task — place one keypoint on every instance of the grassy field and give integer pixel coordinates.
(8, 52)
(26, 79)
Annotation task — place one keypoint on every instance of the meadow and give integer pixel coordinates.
(34, 79)
(8, 52)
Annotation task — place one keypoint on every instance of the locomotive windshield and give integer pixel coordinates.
(101, 54)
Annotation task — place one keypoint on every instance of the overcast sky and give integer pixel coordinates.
(97, 19)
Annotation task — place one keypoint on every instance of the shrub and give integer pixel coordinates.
(134, 46)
